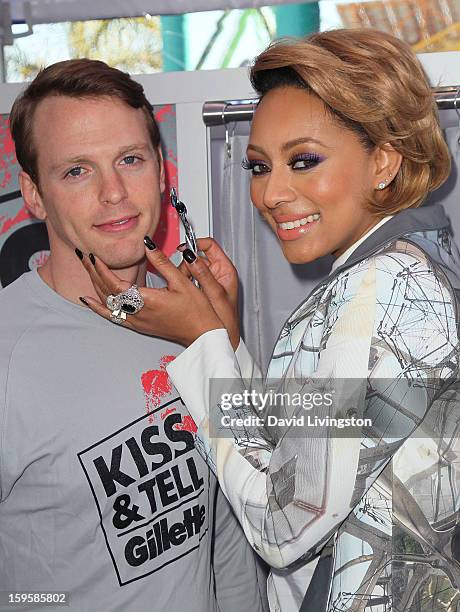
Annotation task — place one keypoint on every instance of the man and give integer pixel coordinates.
(102, 493)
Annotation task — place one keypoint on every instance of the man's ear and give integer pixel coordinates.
(162, 170)
(31, 196)
(387, 163)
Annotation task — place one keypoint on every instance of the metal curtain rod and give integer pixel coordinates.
(222, 112)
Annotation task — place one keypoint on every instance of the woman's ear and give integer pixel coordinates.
(31, 196)
(387, 163)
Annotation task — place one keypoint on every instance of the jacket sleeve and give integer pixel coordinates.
(390, 322)
(240, 578)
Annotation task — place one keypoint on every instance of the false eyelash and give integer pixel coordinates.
(309, 157)
(246, 164)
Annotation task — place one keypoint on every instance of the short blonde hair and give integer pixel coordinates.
(374, 85)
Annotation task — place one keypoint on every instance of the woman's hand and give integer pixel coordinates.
(225, 303)
(180, 312)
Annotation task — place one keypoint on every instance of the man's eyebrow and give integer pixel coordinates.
(289, 144)
(79, 159)
(133, 147)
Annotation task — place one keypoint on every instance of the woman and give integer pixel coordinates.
(344, 146)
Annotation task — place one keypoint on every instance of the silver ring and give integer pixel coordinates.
(112, 302)
(118, 317)
(128, 302)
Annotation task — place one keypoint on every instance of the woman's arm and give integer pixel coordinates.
(291, 497)
(282, 495)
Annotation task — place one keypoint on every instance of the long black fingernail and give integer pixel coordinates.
(79, 254)
(189, 256)
(84, 301)
(180, 246)
(92, 259)
(149, 243)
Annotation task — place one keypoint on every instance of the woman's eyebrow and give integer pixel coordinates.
(290, 144)
(302, 140)
(255, 148)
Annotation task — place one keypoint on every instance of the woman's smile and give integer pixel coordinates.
(311, 177)
(296, 226)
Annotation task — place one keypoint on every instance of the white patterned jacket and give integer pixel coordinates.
(367, 519)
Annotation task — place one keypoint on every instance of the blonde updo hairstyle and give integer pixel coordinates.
(374, 85)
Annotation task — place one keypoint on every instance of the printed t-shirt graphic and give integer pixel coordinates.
(148, 488)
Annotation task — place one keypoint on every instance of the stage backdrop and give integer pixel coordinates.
(24, 240)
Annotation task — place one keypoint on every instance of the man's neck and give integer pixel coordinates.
(70, 279)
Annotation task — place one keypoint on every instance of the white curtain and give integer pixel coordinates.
(237, 222)
(270, 286)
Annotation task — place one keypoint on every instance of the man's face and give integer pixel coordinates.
(100, 178)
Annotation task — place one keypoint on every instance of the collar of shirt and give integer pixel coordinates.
(343, 258)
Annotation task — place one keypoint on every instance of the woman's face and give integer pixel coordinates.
(310, 176)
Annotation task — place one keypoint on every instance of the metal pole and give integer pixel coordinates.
(4, 15)
(228, 111)
(218, 113)
(2, 61)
